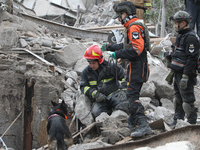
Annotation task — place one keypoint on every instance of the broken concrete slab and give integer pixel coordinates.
(82, 110)
(9, 37)
(167, 103)
(73, 53)
(165, 114)
(148, 89)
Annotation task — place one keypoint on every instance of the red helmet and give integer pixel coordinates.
(94, 53)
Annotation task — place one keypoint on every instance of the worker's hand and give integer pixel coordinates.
(99, 97)
(121, 96)
(112, 54)
(183, 82)
(104, 47)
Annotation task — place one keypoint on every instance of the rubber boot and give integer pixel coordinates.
(172, 126)
(144, 128)
(132, 128)
(132, 123)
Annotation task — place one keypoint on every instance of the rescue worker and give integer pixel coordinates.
(142, 7)
(99, 81)
(134, 51)
(184, 58)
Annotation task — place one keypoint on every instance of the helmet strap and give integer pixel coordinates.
(180, 29)
(127, 18)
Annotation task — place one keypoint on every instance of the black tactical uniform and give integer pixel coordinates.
(184, 61)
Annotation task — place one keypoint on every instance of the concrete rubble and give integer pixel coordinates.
(38, 65)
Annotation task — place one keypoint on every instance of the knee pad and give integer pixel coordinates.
(188, 108)
(135, 107)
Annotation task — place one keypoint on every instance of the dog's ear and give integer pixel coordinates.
(53, 103)
(63, 103)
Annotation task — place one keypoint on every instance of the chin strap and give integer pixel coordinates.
(180, 29)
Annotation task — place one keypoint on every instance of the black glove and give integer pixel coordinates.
(170, 77)
(99, 97)
(183, 82)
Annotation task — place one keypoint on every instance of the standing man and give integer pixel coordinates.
(184, 58)
(99, 81)
(193, 7)
(134, 51)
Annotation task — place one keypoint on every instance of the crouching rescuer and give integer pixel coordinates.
(134, 50)
(99, 81)
(184, 59)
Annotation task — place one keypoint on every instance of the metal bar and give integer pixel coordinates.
(68, 30)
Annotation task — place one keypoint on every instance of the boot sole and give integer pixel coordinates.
(149, 133)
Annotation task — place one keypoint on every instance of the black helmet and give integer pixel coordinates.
(124, 6)
(181, 16)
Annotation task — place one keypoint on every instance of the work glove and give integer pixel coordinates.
(183, 82)
(121, 96)
(170, 77)
(112, 54)
(99, 97)
(104, 47)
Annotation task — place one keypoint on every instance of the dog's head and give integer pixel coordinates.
(63, 107)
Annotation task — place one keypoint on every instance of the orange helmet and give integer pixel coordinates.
(94, 53)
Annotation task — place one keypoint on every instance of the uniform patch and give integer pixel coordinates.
(191, 48)
(135, 35)
(142, 33)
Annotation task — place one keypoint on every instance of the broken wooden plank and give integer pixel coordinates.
(85, 130)
(40, 58)
(113, 27)
(167, 128)
(125, 140)
(73, 89)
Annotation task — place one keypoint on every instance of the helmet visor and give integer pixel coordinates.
(117, 14)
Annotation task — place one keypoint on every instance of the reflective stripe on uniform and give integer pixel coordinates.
(93, 82)
(107, 80)
(86, 88)
(178, 64)
(138, 52)
(147, 4)
(123, 80)
(114, 91)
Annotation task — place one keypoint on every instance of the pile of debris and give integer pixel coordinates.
(48, 66)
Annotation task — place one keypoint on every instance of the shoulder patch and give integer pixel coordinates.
(191, 48)
(135, 35)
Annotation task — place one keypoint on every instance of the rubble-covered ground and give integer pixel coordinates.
(38, 65)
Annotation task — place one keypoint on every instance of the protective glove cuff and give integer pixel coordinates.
(184, 76)
(112, 54)
(94, 93)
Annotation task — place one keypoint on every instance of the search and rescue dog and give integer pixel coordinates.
(58, 132)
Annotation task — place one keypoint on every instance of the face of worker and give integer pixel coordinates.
(178, 25)
(94, 65)
(123, 16)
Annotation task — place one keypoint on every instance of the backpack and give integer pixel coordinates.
(147, 45)
(181, 43)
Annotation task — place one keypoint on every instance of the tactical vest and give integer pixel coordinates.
(179, 57)
(147, 44)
